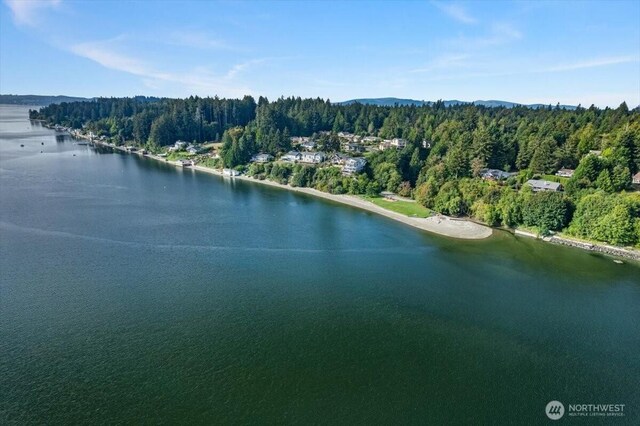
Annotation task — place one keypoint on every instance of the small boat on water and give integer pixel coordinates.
(21, 145)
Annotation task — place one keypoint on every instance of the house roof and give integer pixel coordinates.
(544, 184)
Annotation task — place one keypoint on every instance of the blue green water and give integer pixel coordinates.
(133, 292)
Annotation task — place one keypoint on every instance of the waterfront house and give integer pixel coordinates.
(261, 158)
(185, 163)
(292, 156)
(230, 172)
(544, 185)
(312, 157)
(353, 165)
(565, 173)
(192, 149)
(636, 179)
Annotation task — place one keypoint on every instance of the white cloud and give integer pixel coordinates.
(26, 12)
(108, 58)
(488, 69)
(196, 40)
(500, 33)
(444, 62)
(200, 81)
(455, 11)
(238, 68)
(593, 63)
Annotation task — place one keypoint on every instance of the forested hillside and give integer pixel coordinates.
(447, 150)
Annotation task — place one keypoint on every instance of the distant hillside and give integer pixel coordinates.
(398, 101)
(385, 102)
(38, 99)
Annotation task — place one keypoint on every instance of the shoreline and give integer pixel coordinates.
(438, 224)
(602, 248)
(441, 225)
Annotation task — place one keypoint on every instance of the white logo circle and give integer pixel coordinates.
(554, 410)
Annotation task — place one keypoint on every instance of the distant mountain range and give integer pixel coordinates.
(398, 101)
(38, 100)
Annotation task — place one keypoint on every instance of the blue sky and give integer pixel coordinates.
(529, 52)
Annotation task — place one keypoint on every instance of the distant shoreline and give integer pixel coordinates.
(439, 224)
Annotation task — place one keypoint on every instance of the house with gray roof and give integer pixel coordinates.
(292, 156)
(544, 185)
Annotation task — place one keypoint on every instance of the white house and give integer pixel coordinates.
(312, 157)
(398, 143)
(192, 149)
(291, 156)
(353, 165)
(179, 144)
(565, 172)
(636, 179)
(370, 139)
(261, 158)
(230, 172)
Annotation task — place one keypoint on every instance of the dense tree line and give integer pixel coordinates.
(153, 121)
(447, 149)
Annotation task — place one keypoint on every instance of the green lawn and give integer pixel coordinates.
(403, 207)
(178, 155)
(554, 178)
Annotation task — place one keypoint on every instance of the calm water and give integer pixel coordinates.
(133, 292)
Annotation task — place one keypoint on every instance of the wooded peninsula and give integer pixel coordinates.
(546, 169)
